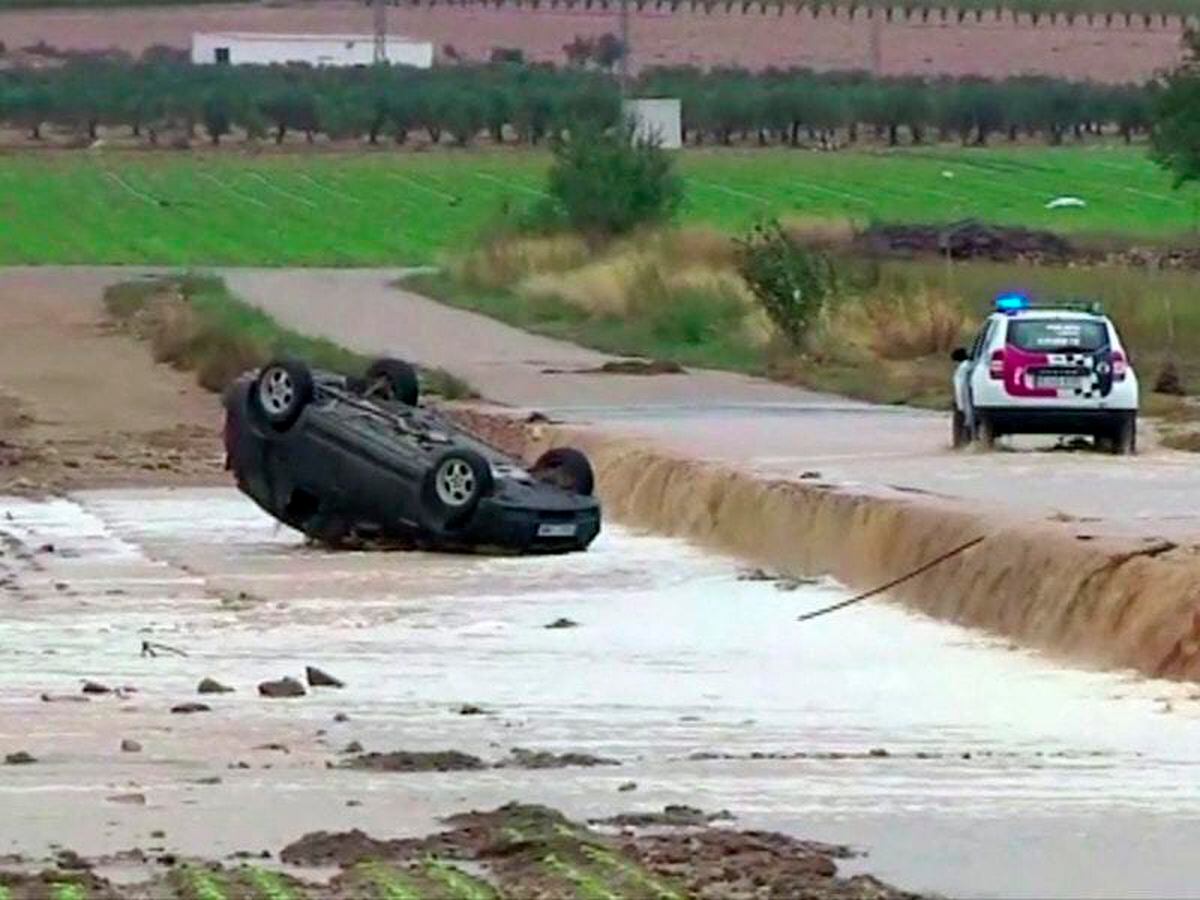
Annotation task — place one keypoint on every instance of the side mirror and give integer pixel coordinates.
(959, 355)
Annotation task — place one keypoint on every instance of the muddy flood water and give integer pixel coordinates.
(958, 764)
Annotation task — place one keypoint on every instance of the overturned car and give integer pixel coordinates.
(348, 460)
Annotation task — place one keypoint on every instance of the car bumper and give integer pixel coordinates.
(502, 526)
(1062, 420)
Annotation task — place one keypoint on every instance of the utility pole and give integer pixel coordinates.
(380, 31)
(626, 49)
(876, 39)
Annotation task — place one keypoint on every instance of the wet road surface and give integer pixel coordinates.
(995, 772)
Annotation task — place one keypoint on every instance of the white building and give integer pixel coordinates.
(253, 48)
(658, 120)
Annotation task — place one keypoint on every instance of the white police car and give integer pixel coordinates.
(1045, 369)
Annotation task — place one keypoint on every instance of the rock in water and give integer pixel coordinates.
(189, 708)
(212, 686)
(284, 687)
(317, 678)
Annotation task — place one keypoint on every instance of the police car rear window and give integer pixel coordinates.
(1057, 335)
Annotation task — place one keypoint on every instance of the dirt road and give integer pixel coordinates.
(81, 404)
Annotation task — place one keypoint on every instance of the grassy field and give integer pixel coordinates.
(405, 208)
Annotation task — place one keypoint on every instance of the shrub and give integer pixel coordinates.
(790, 282)
(1168, 381)
(608, 183)
(902, 325)
(688, 308)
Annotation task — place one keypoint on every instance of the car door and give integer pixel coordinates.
(964, 374)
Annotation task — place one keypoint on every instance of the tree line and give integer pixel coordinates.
(510, 101)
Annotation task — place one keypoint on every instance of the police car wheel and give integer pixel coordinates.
(985, 432)
(960, 435)
(1124, 440)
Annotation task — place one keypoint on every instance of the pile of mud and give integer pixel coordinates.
(971, 239)
(518, 851)
(965, 240)
(1096, 602)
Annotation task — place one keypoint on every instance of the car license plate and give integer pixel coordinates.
(556, 530)
(1059, 382)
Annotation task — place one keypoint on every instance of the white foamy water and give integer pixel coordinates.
(997, 772)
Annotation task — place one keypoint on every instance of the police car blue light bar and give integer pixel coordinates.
(1010, 303)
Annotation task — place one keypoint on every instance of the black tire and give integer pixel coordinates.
(453, 487)
(985, 432)
(1124, 436)
(959, 435)
(393, 379)
(567, 468)
(280, 392)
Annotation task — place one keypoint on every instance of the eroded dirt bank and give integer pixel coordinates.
(81, 404)
(1110, 602)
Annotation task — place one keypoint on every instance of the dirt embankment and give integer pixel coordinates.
(1050, 586)
(83, 405)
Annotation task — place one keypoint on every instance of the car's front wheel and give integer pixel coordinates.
(280, 392)
(453, 487)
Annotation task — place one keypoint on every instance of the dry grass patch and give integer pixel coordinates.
(1188, 441)
(503, 261)
(832, 233)
(901, 326)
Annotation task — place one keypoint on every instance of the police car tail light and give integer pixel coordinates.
(996, 365)
(1120, 366)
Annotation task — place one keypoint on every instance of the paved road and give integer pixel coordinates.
(771, 427)
(360, 309)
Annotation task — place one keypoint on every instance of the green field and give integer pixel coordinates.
(400, 209)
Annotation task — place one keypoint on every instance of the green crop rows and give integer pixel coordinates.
(381, 209)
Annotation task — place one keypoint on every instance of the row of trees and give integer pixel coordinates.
(788, 107)
(512, 101)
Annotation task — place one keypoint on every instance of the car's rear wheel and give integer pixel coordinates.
(281, 391)
(453, 487)
(960, 435)
(985, 432)
(393, 379)
(567, 468)
(1124, 436)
